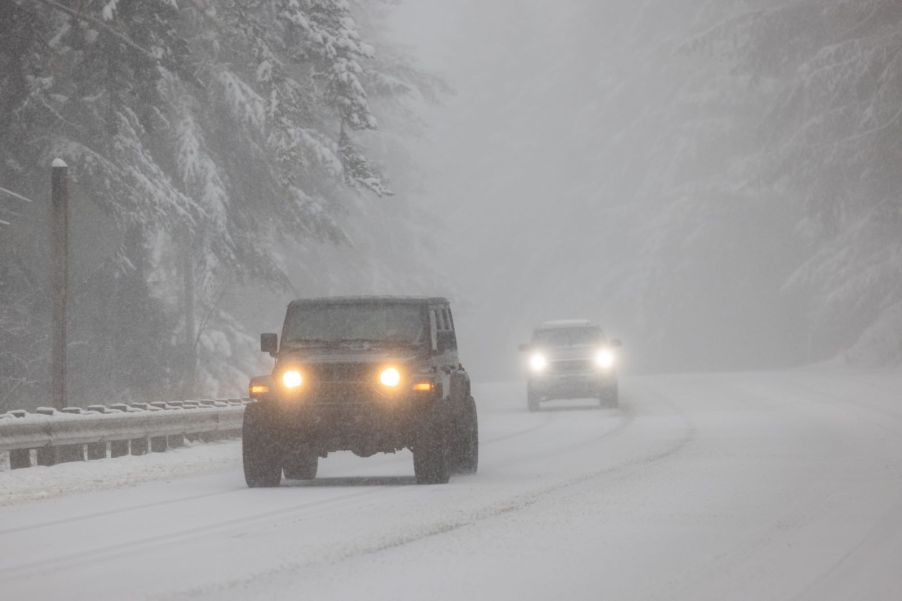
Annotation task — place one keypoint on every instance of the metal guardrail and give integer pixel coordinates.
(48, 437)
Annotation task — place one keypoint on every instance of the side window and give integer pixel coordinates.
(433, 329)
(450, 320)
(447, 339)
(440, 317)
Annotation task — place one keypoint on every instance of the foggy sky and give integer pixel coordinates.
(507, 162)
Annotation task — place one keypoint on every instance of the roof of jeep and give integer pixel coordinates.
(566, 323)
(369, 300)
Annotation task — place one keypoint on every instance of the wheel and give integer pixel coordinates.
(301, 465)
(431, 459)
(465, 446)
(532, 400)
(610, 396)
(260, 450)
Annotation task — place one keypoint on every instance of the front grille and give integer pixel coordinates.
(331, 393)
(341, 383)
(571, 366)
(341, 373)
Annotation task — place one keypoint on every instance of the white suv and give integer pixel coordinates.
(571, 359)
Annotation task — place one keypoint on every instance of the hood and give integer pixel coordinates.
(583, 351)
(321, 355)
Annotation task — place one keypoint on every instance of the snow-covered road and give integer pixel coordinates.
(749, 486)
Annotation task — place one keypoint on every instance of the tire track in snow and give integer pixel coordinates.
(386, 459)
(498, 509)
(295, 512)
(792, 518)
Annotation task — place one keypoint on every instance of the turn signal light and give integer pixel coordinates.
(258, 390)
(424, 387)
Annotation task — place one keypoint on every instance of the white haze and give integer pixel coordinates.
(715, 182)
(507, 169)
(573, 173)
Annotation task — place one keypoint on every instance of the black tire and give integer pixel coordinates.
(610, 396)
(301, 465)
(532, 401)
(260, 450)
(465, 446)
(431, 456)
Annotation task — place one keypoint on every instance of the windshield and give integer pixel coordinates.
(568, 336)
(401, 323)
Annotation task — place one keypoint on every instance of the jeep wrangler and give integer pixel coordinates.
(363, 374)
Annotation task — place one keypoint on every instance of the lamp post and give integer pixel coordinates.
(59, 272)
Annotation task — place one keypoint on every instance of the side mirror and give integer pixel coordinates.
(523, 348)
(616, 342)
(269, 343)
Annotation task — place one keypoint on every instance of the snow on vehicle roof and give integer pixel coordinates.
(565, 323)
(376, 300)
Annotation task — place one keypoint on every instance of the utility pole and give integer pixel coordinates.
(59, 278)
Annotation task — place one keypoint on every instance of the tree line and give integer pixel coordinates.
(201, 138)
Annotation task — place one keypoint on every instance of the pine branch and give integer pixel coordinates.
(103, 26)
(15, 195)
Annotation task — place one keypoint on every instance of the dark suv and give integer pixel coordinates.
(364, 374)
(571, 359)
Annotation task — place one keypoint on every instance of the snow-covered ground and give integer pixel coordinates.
(45, 482)
(738, 486)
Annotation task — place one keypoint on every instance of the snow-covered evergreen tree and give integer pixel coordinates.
(832, 135)
(202, 139)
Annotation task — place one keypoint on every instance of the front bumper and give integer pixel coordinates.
(572, 385)
(358, 421)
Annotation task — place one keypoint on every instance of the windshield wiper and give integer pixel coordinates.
(308, 342)
(369, 342)
(364, 342)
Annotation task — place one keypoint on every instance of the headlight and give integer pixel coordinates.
(390, 377)
(538, 362)
(605, 359)
(292, 379)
